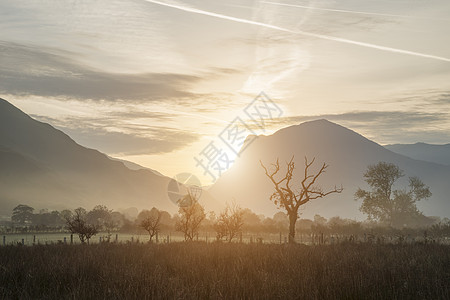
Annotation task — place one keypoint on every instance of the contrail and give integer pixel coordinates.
(305, 33)
(339, 10)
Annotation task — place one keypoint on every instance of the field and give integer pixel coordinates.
(198, 270)
(30, 239)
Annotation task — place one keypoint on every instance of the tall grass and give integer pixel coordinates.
(225, 271)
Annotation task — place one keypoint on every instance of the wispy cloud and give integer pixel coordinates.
(304, 33)
(139, 140)
(31, 71)
(340, 10)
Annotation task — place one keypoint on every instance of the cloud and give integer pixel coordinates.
(386, 127)
(44, 72)
(300, 32)
(442, 99)
(339, 10)
(141, 139)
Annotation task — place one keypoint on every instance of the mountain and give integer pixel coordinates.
(439, 154)
(134, 166)
(44, 168)
(348, 155)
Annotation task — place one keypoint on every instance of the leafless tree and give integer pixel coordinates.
(289, 196)
(229, 223)
(191, 216)
(150, 221)
(76, 223)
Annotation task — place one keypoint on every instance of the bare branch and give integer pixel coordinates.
(288, 197)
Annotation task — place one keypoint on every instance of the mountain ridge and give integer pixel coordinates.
(56, 172)
(439, 154)
(347, 152)
(72, 174)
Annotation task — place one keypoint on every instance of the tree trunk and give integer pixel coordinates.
(292, 221)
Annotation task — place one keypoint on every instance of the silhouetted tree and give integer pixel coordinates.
(77, 224)
(319, 220)
(281, 220)
(229, 223)
(66, 213)
(289, 196)
(251, 221)
(382, 203)
(150, 221)
(101, 217)
(22, 214)
(192, 214)
(45, 218)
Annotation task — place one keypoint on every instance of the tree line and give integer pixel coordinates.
(382, 203)
(384, 206)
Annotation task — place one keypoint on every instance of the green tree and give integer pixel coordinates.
(22, 214)
(383, 203)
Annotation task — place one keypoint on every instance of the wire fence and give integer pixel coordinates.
(30, 239)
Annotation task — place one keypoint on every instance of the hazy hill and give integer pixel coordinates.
(439, 154)
(43, 167)
(134, 166)
(348, 154)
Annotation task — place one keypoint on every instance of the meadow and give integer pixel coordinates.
(199, 270)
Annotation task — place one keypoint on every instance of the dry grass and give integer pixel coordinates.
(228, 271)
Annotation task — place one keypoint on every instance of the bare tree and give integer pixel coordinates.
(150, 221)
(191, 216)
(290, 197)
(229, 223)
(76, 223)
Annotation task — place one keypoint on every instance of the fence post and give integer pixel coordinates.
(240, 237)
(4, 240)
(34, 239)
(65, 241)
(71, 239)
(23, 241)
(117, 237)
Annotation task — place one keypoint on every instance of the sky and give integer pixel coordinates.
(155, 82)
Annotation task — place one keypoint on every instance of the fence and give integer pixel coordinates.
(167, 237)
